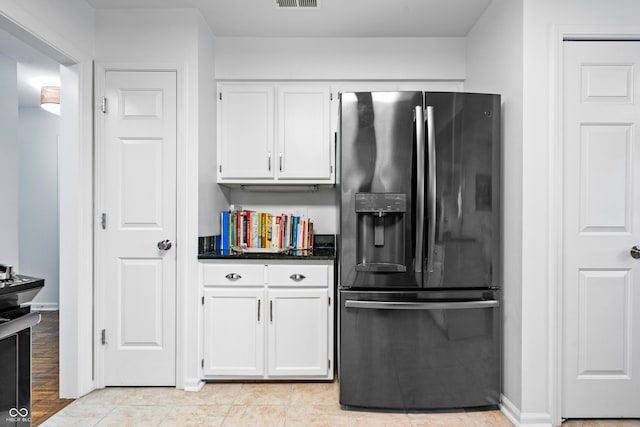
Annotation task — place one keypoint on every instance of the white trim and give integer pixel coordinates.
(517, 418)
(511, 411)
(182, 235)
(194, 385)
(555, 193)
(75, 176)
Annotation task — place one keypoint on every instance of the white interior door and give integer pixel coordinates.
(601, 296)
(139, 273)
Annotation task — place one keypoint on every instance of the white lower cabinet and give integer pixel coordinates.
(297, 332)
(277, 316)
(234, 340)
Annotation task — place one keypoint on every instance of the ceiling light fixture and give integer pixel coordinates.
(50, 99)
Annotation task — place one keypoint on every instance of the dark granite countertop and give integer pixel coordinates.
(318, 253)
(323, 248)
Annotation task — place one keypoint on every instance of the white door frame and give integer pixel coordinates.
(75, 188)
(556, 197)
(181, 229)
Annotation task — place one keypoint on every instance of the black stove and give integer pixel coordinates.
(18, 290)
(16, 320)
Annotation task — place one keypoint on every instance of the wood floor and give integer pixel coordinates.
(44, 369)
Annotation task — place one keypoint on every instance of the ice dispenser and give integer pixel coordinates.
(380, 233)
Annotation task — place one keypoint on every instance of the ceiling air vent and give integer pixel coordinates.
(298, 4)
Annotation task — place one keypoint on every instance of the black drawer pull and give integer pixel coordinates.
(297, 277)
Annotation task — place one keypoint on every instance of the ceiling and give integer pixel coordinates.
(332, 18)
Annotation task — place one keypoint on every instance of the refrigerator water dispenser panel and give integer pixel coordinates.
(380, 231)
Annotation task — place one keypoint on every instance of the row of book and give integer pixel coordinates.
(251, 229)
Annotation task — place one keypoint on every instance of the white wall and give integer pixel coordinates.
(211, 197)
(319, 206)
(38, 201)
(494, 64)
(9, 162)
(239, 58)
(541, 18)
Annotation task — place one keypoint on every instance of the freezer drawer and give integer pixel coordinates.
(419, 351)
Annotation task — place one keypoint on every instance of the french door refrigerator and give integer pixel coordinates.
(419, 260)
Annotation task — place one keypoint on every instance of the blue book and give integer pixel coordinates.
(224, 230)
(294, 233)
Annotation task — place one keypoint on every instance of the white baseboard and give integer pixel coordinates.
(193, 385)
(44, 306)
(529, 419)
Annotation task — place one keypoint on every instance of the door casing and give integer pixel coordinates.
(181, 231)
(555, 248)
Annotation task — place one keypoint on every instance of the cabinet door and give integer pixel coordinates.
(297, 337)
(234, 332)
(246, 133)
(304, 133)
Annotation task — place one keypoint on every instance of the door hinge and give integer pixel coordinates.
(103, 105)
(103, 337)
(103, 221)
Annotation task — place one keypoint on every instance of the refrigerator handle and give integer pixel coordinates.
(407, 305)
(419, 123)
(431, 190)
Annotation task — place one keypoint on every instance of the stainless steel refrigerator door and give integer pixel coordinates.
(413, 351)
(463, 190)
(378, 169)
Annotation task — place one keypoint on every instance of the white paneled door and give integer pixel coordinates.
(601, 295)
(138, 267)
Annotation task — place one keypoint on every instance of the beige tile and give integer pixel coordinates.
(89, 410)
(62, 421)
(442, 419)
(107, 396)
(314, 394)
(196, 415)
(135, 416)
(264, 394)
(317, 416)
(256, 416)
(378, 419)
(214, 394)
(490, 419)
(154, 396)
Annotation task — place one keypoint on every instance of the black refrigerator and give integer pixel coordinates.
(419, 261)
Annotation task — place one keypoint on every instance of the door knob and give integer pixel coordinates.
(164, 245)
(635, 252)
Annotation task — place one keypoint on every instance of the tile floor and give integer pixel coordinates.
(258, 404)
(247, 405)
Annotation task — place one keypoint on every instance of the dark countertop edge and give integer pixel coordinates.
(322, 254)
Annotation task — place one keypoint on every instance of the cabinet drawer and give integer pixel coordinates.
(233, 275)
(297, 275)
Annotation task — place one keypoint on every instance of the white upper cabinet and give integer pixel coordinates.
(304, 133)
(245, 132)
(275, 133)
